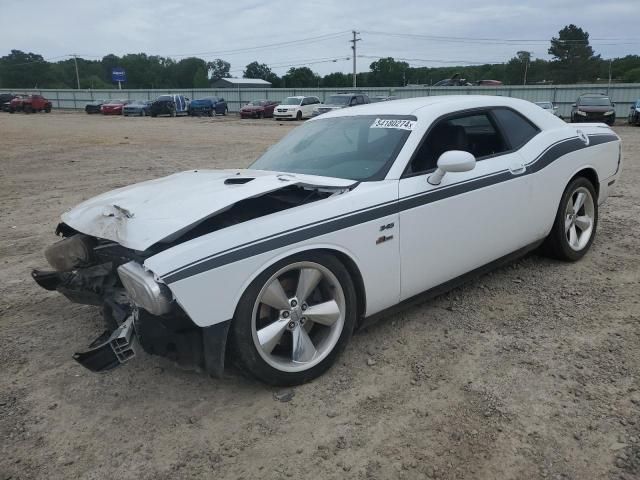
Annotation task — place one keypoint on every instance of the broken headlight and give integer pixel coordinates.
(70, 253)
(143, 290)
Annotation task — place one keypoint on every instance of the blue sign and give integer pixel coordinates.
(118, 75)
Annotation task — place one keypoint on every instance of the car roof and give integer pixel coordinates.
(425, 106)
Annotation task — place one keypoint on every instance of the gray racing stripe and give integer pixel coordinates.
(351, 219)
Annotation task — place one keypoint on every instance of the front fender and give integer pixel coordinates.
(212, 297)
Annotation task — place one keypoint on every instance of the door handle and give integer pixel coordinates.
(517, 169)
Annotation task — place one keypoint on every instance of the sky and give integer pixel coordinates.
(314, 33)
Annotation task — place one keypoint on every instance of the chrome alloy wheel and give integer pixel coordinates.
(579, 218)
(298, 316)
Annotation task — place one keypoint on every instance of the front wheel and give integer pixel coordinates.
(299, 115)
(574, 228)
(294, 319)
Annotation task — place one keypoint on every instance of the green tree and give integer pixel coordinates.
(387, 72)
(301, 77)
(21, 69)
(336, 79)
(262, 71)
(200, 79)
(218, 69)
(632, 76)
(573, 56)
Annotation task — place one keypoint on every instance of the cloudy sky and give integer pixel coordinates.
(284, 33)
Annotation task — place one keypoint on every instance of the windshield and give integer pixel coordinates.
(257, 103)
(164, 98)
(356, 148)
(291, 101)
(338, 100)
(595, 101)
(546, 105)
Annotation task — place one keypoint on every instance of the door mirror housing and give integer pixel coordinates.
(452, 161)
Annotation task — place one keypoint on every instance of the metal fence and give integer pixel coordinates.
(623, 95)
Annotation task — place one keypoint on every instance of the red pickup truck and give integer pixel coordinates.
(29, 104)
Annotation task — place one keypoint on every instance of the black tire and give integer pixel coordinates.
(26, 109)
(47, 109)
(212, 112)
(225, 111)
(556, 244)
(242, 347)
(259, 115)
(172, 113)
(299, 115)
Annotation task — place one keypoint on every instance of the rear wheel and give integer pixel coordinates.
(576, 221)
(47, 109)
(225, 111)
(294, 319)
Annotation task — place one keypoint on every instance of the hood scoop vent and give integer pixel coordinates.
(238, 180)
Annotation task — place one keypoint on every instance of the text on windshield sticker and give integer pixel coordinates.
(388, 123)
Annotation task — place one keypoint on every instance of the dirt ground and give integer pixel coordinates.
(529, 372)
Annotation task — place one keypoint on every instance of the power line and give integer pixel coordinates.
(426, 60)
(319, 38)
(514, 41)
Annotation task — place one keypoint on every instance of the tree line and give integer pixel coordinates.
(573, 61)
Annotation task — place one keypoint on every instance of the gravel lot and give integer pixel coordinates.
(529, 372)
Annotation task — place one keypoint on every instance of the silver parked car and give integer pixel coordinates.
(549, 107)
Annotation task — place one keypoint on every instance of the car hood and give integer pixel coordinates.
(595, 108)
(146, 213)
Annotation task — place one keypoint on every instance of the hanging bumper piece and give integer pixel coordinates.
(110, 350)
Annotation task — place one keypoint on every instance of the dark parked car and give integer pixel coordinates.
(341, 100)
(5, 100)
(94, 106)
(208, 106)
(258, 109)
(138, 108)
(171, 105)
(454, 81)
(593, 107)
(634, 113)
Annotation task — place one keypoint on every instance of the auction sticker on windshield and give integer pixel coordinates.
(388, 123)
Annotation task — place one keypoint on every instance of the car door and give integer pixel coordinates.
(471, 218)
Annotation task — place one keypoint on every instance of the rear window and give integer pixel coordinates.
(516, 128)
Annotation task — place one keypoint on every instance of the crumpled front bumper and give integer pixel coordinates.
(132, 329)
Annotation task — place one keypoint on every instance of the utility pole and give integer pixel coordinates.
(353, 47)
(75, 60)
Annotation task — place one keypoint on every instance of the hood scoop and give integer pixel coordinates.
(238, 180)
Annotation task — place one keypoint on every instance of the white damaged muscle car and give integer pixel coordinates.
(349, 215)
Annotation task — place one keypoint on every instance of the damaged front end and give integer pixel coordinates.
(138, 310)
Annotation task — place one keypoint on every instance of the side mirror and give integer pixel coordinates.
(452, 161)
(613, 104)
(574, 105)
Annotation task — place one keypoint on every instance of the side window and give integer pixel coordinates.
(516, 128)
(305, 101)
(473, 133)
(359, 100)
